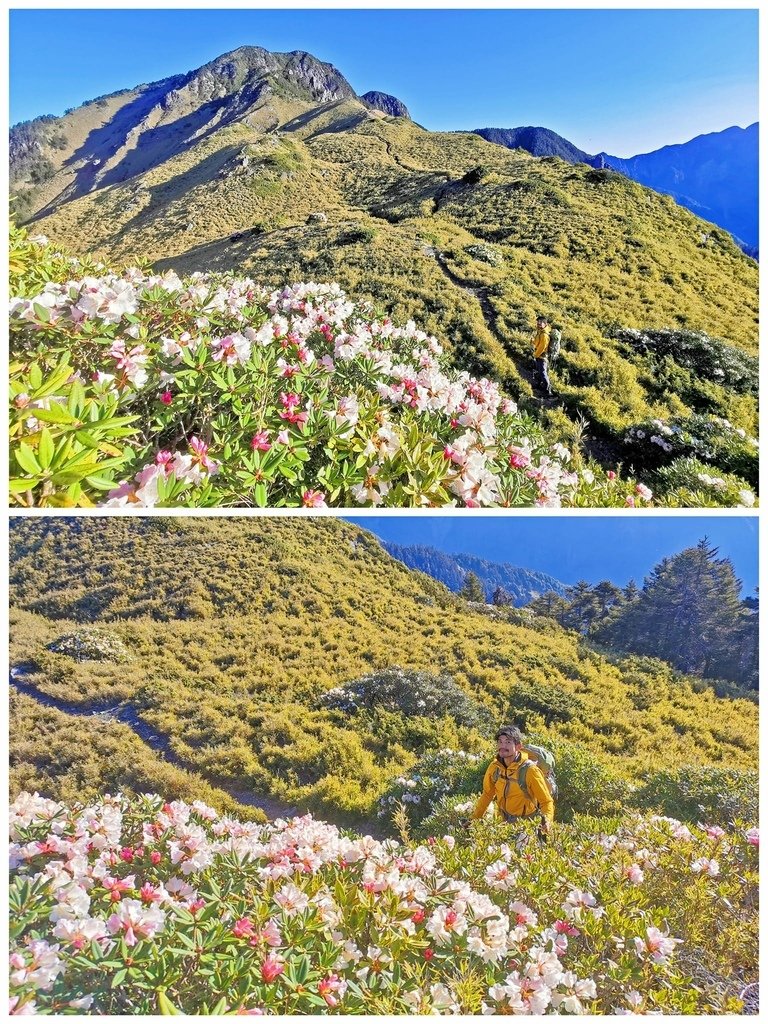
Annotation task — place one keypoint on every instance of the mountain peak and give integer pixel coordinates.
(385, 103)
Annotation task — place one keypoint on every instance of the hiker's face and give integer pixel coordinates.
(541, 323)
(506, 747)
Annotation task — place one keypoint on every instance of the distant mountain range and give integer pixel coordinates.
(714, 175)
(523, 585)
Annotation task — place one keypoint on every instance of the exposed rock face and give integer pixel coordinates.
(245, 69)
(159, 118)
(385, 103)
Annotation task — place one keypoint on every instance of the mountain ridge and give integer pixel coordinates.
(452, 569)
(695, 173)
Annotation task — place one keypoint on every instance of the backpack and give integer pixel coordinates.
(545, 762)
(554, 344)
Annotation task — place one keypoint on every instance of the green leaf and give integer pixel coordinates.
(27, 460)
(76, 397)
(100, 483)
(53, 383)
(18, 486)
(165, 1006)
(46, 448)
(260, 495)
(35, 375)
(56, 414)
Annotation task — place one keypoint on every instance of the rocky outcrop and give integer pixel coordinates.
(387, 104)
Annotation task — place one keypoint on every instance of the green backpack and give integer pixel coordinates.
(545, 762)
(555, 335)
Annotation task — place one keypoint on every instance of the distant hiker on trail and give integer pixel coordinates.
(540, 341)
(516, 783)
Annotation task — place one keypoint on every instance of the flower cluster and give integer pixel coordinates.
(436, 776)
(211, 390)
(712, 440)
(139, 906)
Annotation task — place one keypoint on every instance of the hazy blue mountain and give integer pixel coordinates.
(522, 584)
(715, 176)
(539, 142)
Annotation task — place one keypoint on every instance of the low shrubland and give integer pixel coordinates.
(218, 392)
(141, 389)
(241, 629)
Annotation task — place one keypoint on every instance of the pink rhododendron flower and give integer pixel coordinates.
(271, 969)
(706, 866)
(332, 989)
(313, 499)
(658, 945)
(260, 441)
(136, 921)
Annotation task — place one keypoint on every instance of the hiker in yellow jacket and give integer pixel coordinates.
(501, 783)
(540, 341)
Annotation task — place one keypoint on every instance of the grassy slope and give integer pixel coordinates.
(236, 626)
(590, 252)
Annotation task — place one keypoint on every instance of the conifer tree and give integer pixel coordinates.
(551, 605)
(689, 613)
(473, 589)
(584, 607)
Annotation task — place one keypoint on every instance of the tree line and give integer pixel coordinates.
(689, 612)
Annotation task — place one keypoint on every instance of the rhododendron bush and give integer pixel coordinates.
(141, 390)
(135, 906)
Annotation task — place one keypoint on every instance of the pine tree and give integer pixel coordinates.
(689, 613)
(473, 589)
(550, 605)
(502, 598)
(584, 607)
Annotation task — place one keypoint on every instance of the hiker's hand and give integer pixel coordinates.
(545, 827)
(466, 823)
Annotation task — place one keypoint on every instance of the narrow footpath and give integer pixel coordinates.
(160, 744)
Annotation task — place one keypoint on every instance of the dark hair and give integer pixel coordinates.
(511, 731)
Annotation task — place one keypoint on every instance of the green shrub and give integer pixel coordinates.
(551, 702)
(356, 234)
(694, 484)
(41, 170)
(439, 776)
(586, 785)
(701, 793)
(91, 645)
(709, 357)
(410, 692)
(712, 439)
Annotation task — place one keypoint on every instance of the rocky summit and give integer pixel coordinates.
(387, 104)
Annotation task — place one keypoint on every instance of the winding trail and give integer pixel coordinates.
(160, 744)
(489, 313)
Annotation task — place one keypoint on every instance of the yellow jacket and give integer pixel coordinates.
(500, 785)
(540, 342)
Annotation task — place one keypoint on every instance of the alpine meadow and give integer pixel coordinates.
(315, 719)
(248, 286)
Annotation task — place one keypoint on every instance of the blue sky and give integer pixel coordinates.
(575, 547)
(623, 81)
